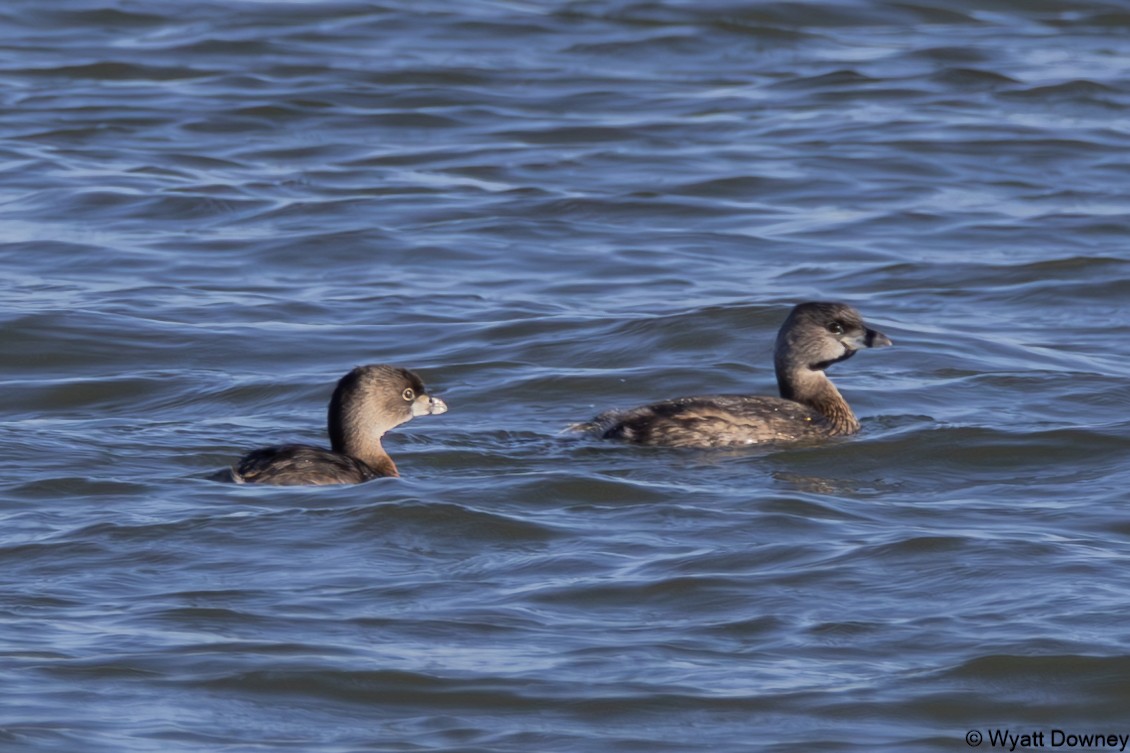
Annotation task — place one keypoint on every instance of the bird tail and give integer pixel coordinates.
(584, 427)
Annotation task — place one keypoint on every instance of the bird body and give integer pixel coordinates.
(813, 337)
(367, 402)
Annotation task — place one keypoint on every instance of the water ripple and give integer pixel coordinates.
(212, 211)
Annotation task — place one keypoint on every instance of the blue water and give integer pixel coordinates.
(211, 211)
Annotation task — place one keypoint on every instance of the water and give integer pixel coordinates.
(211, 211)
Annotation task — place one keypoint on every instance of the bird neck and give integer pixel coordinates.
(815, 390)
(364, 445)
(381, 462)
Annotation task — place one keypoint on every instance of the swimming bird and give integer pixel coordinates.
(814, 336)
(367, 402)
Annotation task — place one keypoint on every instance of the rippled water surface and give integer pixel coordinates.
(210, 211)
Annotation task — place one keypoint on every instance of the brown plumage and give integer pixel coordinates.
(367, 402)
(813, 337)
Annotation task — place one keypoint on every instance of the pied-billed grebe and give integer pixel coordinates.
(366, 403)
(813, 337)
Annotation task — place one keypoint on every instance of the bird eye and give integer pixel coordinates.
(409, 394)
(836, 328)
